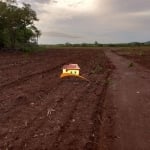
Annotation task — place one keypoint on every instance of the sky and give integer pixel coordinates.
(86, 21)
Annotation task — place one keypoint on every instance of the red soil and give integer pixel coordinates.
(38, 110)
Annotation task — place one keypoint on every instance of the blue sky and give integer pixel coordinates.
(105, 21)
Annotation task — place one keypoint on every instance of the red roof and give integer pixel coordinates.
(71, 66)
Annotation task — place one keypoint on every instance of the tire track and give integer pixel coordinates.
(16, 107)
(28, 77)
(61, 107)
(37, 61)
(93, 102)
(12, 65)
(24, 131)
(68, 122)
(36, 124)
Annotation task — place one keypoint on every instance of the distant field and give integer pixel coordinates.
(140, 55)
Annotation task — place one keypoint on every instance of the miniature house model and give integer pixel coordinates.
(71, 69)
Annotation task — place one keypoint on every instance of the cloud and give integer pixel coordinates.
(60, 34)
(89, 20)
(43, 1)
(127, 5)
(37, 1)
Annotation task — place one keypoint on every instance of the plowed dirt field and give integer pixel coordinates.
(38, 110)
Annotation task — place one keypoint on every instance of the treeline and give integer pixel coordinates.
(17, 29)
(96, 44)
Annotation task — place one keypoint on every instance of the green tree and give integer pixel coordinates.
(17, 24)
(2, 22)
(96, 43)
(36, 32)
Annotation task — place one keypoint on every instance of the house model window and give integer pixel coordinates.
(71, 69)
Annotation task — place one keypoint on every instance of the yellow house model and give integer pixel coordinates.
(73, 69)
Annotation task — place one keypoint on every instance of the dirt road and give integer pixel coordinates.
(126, 118)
